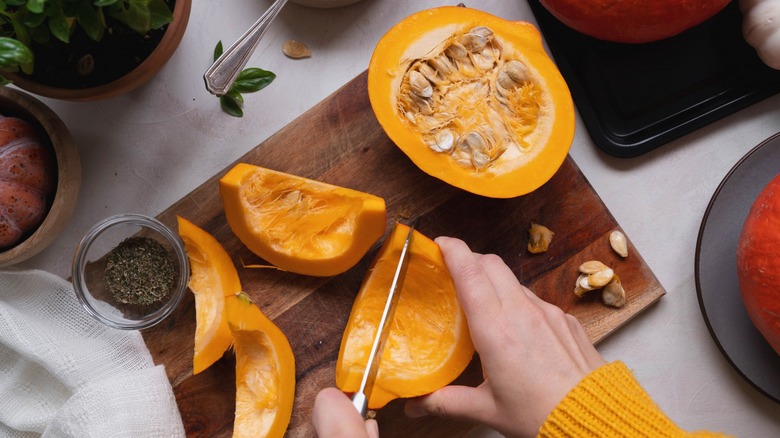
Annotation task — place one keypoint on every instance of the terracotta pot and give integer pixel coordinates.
(137, 77)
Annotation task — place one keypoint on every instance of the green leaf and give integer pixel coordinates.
(33, 20)
(104, 3)
(58, 23)
(231, 106)
(90, 21)
(13, 54)
(253, 79)
(15, 2)
(36, 6)
(135, 15)
(159, 14)
(218, 50)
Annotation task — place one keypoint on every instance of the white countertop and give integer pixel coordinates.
(143, 151)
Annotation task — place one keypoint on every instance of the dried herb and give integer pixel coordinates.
(139, 271)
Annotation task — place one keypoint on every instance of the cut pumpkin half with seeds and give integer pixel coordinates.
(428, 345)
(213, 277)
(473, 99)
(298, 224)
(265, 371)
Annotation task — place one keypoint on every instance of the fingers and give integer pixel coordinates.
(475, 292)
(455, 402)
(335, 416)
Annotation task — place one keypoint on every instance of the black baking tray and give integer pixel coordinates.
(634, 98)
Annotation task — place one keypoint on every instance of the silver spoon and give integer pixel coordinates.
(223, 73)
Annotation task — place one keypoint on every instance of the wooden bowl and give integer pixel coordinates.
(129, 82)
(15, 103)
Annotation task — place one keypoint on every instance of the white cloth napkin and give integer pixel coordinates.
(63, 374)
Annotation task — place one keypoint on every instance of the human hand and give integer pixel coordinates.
(334, 416)
(532, 353)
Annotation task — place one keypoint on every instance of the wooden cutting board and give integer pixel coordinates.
(339, 141)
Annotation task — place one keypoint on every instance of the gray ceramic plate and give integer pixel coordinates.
(716, 269)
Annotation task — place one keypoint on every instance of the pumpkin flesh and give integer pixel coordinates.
(298, 224)
(213, 277)
(758, 263)
(265, 371)
(473, 100)
(428, 345)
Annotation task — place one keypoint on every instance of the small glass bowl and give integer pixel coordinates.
(89, 264)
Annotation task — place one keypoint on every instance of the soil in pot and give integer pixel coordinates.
(85, 63)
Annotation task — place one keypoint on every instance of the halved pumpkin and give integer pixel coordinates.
(298, 224)
(213, 277)
(428, 345)
(265, 371)
(472, 99)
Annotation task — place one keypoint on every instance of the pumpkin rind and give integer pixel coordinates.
(758, 263)
(428, 345)
(517, 170)
(298, 224)
(635, 21)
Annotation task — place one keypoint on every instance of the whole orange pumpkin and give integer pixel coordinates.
(633, 21)
(758, 263)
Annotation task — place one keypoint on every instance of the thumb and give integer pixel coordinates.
(455, 402)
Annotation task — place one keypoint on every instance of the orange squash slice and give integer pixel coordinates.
(265, 371)
(429, 343)
(298, 224)
(213, 277)
(473, 100)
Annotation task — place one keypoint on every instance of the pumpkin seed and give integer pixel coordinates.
(613, 294)
(471, 99)
(539, 238)
(618, 242)
(295, 49)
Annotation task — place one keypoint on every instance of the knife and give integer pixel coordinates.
(360, 398)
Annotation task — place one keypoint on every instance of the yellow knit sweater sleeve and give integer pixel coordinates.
(610, 403)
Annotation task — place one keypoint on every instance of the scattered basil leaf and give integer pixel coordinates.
(231, 103)
(253, 79)
(248, 81)
(218, 51)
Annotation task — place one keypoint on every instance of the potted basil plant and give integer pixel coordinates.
(87, 49)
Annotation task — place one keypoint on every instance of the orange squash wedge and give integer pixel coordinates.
(298, 224)
(473, 100)
(429, 343)
(213, 277)
(265, 371)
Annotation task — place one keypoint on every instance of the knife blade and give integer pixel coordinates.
(360, 398)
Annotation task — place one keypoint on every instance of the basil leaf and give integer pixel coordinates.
(35, 6)
(159, 14)
(218, 50)
(136, 15)
(253, 79)
(231, 104)
(102, 3)
(58, 23)
(90, 21)
(13, 54)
